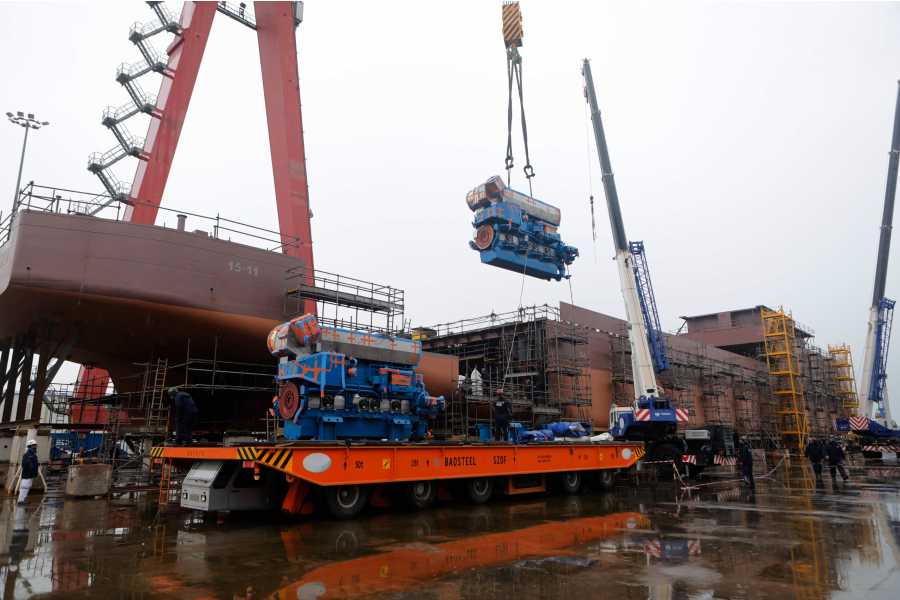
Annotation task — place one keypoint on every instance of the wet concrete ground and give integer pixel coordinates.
(788, 540)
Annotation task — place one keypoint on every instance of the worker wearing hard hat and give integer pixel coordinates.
(29, 470)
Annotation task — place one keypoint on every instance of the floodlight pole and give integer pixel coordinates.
(28, 122)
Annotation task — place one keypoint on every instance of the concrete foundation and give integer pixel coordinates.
(88, 480)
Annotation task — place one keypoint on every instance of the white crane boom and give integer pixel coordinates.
(877, 337)
(645, 384)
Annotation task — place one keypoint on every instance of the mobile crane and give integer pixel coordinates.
(874, 425)
(651, 418)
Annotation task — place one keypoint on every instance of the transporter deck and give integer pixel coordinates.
(367, 463)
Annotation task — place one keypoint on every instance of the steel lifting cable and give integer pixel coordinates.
(514, 72)
(590, 177)
(512, 343)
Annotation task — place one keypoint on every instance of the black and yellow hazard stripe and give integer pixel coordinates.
(277, 458)
(640, 452)
(247, 453)
(156, 452)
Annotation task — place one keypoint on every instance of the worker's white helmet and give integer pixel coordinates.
(31, 443)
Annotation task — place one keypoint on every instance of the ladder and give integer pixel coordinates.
(158, 406)
(165, 483)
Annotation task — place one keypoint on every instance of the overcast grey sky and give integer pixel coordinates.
(749, 141)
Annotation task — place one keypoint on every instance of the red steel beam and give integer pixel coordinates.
(275, 30)
(185, 54)
(281, 87)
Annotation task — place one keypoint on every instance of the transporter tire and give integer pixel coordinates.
(419, 495)
(606, 479)
(479, 490)
(570, 483)
(345, 501)
(668, 452)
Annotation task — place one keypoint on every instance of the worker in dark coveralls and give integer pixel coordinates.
(836, 458)
(502, 415)
(815, 452)
(29, 470)
(185, 415)
(745, 456)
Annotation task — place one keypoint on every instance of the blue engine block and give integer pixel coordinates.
(517, 232)
(329, 395)
(521, 244)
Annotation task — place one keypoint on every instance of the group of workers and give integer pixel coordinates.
(820, 450)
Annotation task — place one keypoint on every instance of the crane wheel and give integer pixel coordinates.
(345, 501)
(479, 490)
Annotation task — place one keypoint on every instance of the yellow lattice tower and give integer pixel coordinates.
(784, 373)
(842, 362)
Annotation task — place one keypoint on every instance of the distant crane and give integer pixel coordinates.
(874, 426)
(652, 417)
(881, 312)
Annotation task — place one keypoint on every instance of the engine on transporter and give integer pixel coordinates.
(338, 383)
(517, 232)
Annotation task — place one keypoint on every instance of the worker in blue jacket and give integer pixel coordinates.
(29, 470)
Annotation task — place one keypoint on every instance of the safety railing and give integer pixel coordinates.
(56, 200)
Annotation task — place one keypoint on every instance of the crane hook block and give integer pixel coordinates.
(512, 24)
(518, 232)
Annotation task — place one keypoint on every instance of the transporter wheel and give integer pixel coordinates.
(419, 495)
(345, 501)
(606, 479)
(570, 483)
(479, 490)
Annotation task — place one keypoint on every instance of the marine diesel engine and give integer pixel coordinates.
(517, 232)
(338, 383)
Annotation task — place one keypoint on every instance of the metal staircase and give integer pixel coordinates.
(114, 118)
(842, 363)
(779, 334)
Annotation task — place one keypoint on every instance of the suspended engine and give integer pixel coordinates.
(338, 383)
(517, 232)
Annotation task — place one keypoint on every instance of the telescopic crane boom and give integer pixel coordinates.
(652, 416)
(645, 384)
(874, 375)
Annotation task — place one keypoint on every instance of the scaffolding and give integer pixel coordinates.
(842, 363)
(343, 301)
(539, 360)
(780, 341)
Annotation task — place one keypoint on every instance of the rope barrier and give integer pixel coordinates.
(684, 485)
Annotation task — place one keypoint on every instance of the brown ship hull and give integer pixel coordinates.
(118, 293)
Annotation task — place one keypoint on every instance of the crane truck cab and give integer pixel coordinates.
(651, 419)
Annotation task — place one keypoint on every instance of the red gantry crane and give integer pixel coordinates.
(275, 24)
